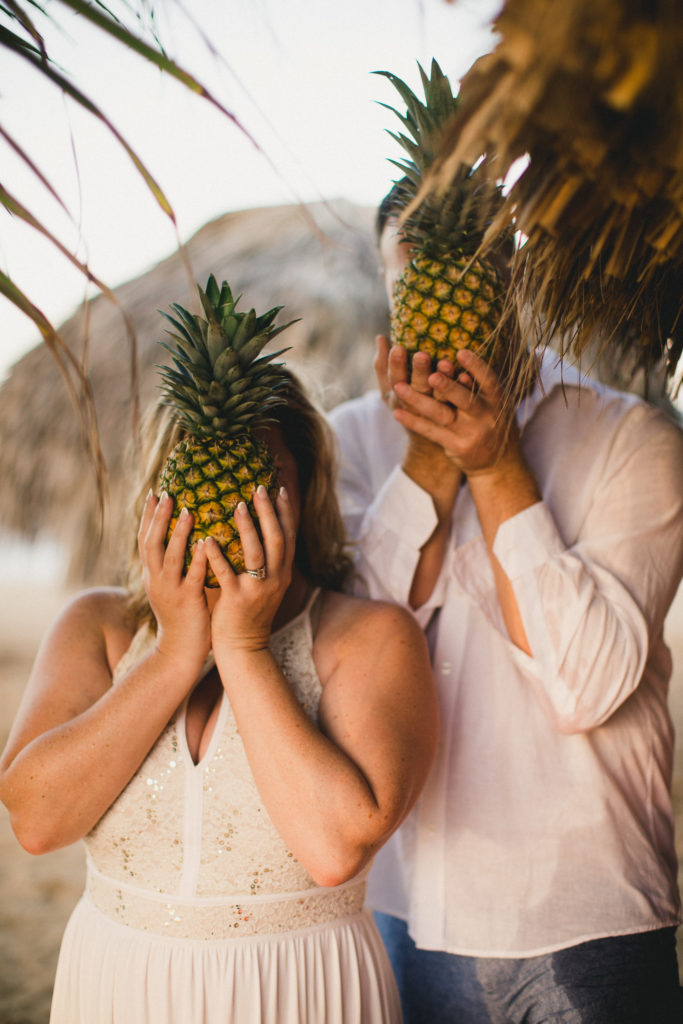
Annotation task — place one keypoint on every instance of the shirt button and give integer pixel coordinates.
(445, 668)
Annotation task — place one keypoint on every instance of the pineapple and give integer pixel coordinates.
(220, 392)
(447, 298)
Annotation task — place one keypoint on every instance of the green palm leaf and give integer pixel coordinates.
(20, 36)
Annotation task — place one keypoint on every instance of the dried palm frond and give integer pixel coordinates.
(590, 94)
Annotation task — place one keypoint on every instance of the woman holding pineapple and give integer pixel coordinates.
(233, 755)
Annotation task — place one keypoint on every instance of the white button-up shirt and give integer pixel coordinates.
(547, 818)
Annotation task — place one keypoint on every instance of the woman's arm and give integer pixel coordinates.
(335, 794)
(77, 741)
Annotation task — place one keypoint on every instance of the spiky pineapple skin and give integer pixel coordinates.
(442, 305)
(210, 478)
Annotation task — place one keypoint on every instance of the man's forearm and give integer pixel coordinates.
(500, 493)
(441, 479)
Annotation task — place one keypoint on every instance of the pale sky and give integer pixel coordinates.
(297, 73)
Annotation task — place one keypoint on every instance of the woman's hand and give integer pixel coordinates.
(243, 615)
(177, 600)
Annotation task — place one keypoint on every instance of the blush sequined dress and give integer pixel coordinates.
(195, 912)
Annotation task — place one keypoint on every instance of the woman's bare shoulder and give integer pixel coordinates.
(107, 606)
(100, 615)
(345, 616)
(371, 647)
(362, 607)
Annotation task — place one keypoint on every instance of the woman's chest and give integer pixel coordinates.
(191, 820)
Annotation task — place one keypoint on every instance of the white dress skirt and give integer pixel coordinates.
(194, 910)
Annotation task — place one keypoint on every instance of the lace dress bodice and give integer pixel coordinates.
(189, 850)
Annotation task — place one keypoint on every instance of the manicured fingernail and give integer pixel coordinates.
(150, 492)
(183, 513)
(241, 508)
(283, 493)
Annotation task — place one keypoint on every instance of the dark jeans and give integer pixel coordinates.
(630, 979)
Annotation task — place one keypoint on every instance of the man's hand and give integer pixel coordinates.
(425, 461)
(465, 415)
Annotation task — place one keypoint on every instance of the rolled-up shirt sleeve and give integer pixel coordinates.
(388, 517)
(591, 608)
(397, 524)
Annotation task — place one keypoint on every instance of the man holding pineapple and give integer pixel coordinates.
(540, 544)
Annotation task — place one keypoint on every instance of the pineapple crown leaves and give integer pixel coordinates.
(424, 123)
(437, 221)
(219, 384)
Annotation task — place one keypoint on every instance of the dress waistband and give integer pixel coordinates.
(228, 917)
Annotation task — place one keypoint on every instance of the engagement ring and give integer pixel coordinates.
(258, 574)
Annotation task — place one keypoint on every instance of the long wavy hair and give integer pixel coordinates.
(322, 555)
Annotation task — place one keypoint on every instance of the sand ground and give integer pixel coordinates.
(38, 894)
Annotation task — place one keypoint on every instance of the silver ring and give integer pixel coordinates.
(257, 574)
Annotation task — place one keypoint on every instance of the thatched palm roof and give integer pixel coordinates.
(320, 263)
(590, 93)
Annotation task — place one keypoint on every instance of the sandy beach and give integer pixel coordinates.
(38, 894)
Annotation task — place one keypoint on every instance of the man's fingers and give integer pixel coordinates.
(480, 371)
(381, 364)
(458, 393)
(440, 410)
(397, 366)
(445, 367)
(420, 372)
(427, 428)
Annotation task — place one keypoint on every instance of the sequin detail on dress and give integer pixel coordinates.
(189, 850)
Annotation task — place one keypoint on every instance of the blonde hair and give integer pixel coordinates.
(322, 554)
